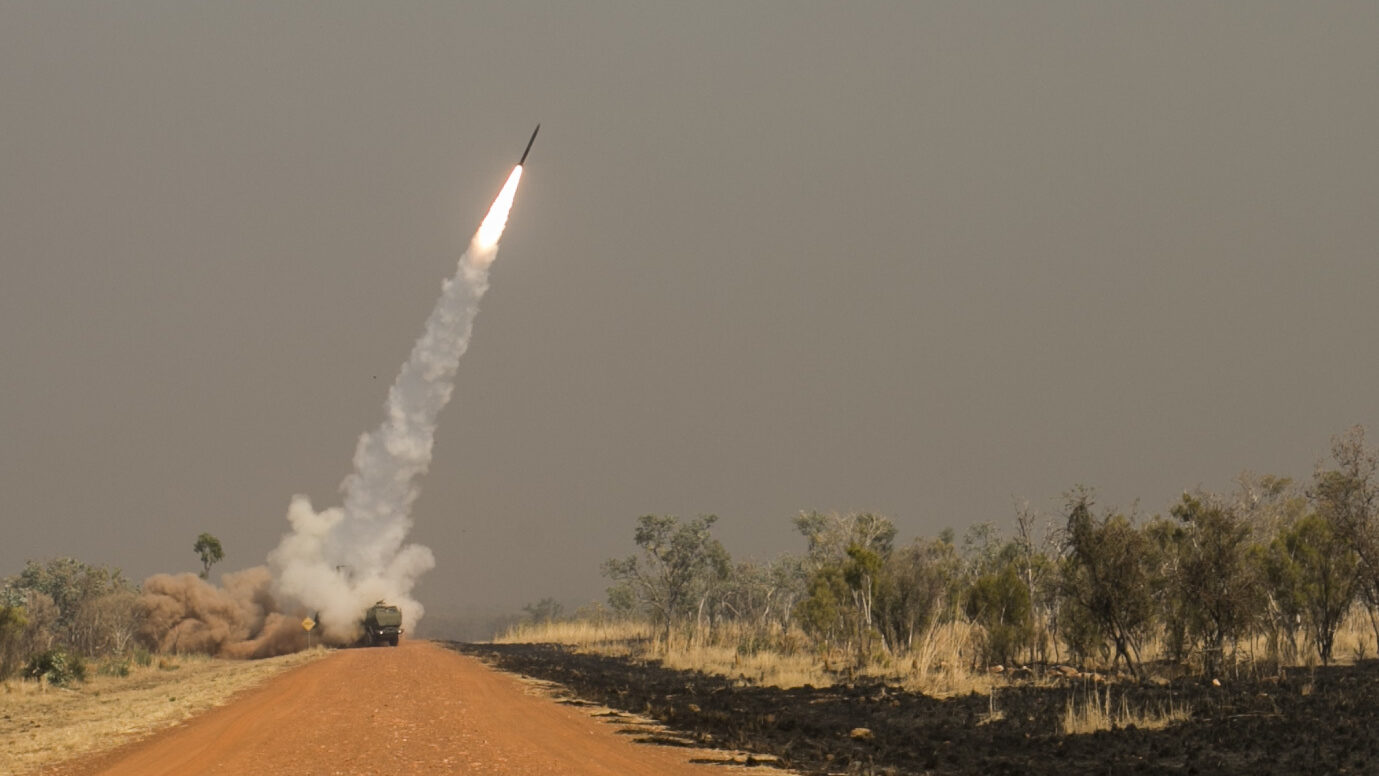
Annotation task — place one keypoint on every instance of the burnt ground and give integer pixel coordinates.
(1307, 721)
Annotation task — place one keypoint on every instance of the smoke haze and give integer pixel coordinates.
(334, 563)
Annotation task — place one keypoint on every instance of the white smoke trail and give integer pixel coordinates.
(340, 560)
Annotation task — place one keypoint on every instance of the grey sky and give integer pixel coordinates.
(915, 258)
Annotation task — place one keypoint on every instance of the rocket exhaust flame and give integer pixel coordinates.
(491, 230)
(336, 562)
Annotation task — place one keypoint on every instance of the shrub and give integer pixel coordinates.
(59, 666)
(999, 602)
(114, 666)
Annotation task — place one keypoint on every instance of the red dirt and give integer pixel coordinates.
(418, 709)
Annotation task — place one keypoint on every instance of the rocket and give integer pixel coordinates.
(523, 160)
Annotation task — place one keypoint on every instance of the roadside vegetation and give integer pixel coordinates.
(62, 619)
(76, 678)
(1222, 586)
(42, 723)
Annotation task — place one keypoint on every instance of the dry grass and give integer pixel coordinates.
(938, 663)
(1354, 639)
(1093, 711)
(595, 636)
(42, 725)
(767, 668)
(937, 666)
(641, 640)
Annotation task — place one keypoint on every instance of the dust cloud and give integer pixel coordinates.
(184, 613)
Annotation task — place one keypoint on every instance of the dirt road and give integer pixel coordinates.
(418, 709)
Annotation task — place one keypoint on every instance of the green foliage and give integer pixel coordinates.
(862, 572)
(1268, 560)
(1347, 497)
(69, 583)
(208, 548)
(999, 584)
(13, 621)
(1079, 631)
(114, 666)
(847, 558)
(84, 608)
(1312, 571)
(830, 535)
(545, 610)
(1107, 576)
(924, 581)
(622, 598)
(862, 568)
(1213, 587)
(57, 666)
(821, 611)
(1167, 535)
(1000, 603)
(679, 568)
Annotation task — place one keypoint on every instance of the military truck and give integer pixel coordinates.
(382, 625)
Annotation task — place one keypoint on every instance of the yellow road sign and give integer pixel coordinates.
(308, 624)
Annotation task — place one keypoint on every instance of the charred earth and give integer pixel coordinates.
(1324, 720)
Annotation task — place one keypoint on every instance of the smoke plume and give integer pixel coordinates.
(336, 562)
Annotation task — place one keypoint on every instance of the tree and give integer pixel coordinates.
(1348, 495)
(1035, 546)
(12, 625)
(1216, 587)
(822, 612)
(999, 602)
(862, 573)
(1272, 505)
(679, 565)
(846, 560)
(1106, 576)
(829, 536)
(1168, 536)
(924, 581)
(68, 584)
(209, 549)
(106, 625)
(68, 605)
(761, 595)
(1312, 571)
(1347, 498)
(544, 611)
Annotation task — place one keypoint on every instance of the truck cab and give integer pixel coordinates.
(382, 625)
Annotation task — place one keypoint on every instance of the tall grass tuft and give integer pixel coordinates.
(1090, 711)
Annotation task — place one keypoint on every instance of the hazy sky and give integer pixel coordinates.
(915, 258)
